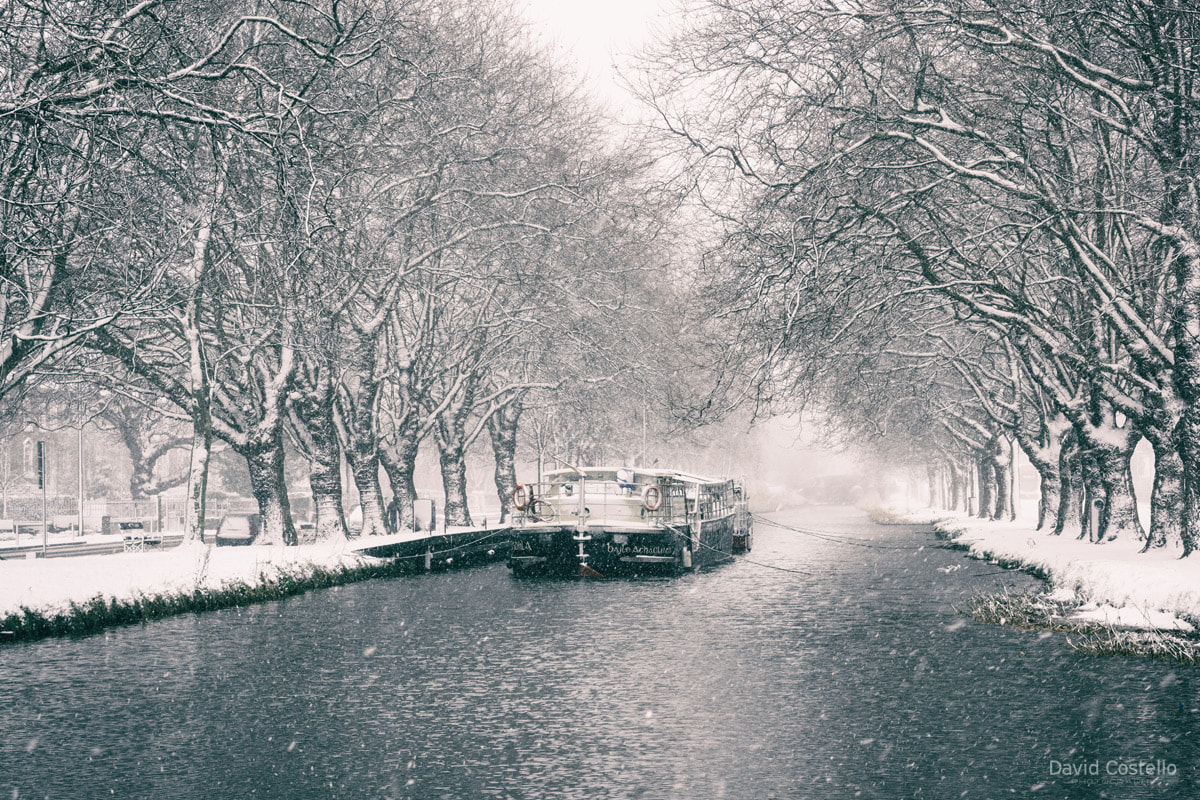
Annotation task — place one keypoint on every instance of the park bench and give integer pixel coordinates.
(136, 537)
(64, 522)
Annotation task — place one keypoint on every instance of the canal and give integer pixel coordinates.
(831, 666)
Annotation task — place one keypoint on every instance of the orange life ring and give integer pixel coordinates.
(520, 496)
(652, 497)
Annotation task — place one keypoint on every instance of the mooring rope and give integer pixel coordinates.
(829, 536)
(743, 559)
(451, 549)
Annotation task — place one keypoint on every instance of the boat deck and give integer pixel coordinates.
(444, 548)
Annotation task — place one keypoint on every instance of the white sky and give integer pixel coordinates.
(598, 33)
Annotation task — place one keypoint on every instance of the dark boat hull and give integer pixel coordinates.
(612, 551)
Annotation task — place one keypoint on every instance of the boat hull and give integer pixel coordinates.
(614, 550)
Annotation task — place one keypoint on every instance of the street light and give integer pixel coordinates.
(41, 479)
(43, 468)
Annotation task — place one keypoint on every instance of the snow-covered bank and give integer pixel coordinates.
(1112, 584)
(51, 584)
(86, 594)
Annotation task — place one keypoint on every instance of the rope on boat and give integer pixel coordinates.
(742, 559)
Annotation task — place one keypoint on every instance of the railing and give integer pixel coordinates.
(606, 502)
(602, 502)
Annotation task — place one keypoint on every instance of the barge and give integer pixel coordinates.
(606, 522)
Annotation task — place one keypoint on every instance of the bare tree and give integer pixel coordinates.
(238, 105)
(1032, 172)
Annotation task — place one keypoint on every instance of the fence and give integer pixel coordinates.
(159, 514)
(156, 513)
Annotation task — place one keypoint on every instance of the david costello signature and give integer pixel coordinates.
(1151, 769)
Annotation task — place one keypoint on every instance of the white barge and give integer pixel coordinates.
(608, 521)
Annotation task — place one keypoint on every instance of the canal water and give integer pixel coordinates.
(832, 666)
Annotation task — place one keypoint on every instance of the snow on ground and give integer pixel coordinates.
(50, 584)
(1114, 583)
(1129, 617)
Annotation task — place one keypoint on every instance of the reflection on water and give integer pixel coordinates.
(850, 676)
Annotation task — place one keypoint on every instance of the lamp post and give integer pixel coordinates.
(79, 486)
(43, 468)
(41, 478)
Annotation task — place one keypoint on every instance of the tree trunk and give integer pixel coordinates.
(1180, 210)
(1002, 510)
(1069, 519)
(142, 476)
(357, 399)
(1114, 484)
(198, 372)
(958, 488)
(1187, 374)
(399, 457)
(1119, 516)
(364, 466)
(450, 432)
(198, 470)
(1044, 454)
(1049, 497)
(931, 481)
(202, 427)
(265, 460)
(313, 407)
(1166, 495)
(1188, 439)
(502, 428)
(999, 454)
(146, 447)
(325, 480)
(1093, 492)
(454, 480)
(141, 480)
(983, 466)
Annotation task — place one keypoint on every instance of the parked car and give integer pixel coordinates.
(237, 529)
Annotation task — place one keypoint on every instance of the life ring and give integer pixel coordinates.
(520, 496)
(652, 497)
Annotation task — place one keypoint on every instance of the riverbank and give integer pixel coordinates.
(1117, 598)
(86, 594)
(1111, 583)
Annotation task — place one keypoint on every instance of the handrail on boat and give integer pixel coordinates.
(613, 501)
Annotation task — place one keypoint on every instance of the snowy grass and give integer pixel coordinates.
(1033, 611)
(1116, 598)
(1038, 611)
(881, 515)
(79, 596)
(1155, 644)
